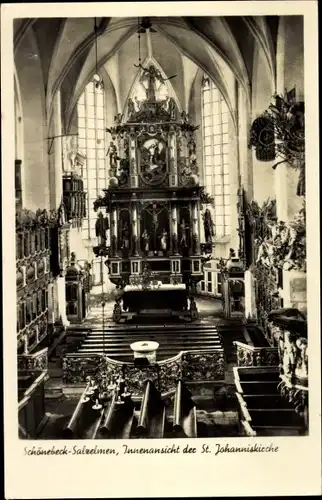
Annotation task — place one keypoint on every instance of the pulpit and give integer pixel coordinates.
(78, 284)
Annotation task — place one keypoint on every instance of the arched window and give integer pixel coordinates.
(91, 141)
(215, 149)
(18, 149)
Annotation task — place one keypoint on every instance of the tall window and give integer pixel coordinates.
(91, 141)
(215, 146)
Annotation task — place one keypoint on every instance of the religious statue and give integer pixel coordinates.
(130, 108)
(184, 117)
(101, 226)
(154, 161)
(150, 76)
(289, 354)
(192, 147)
(113, 156)
(62, 214)
(118, 118)
(172, 108)
(125, 237)
(301, 368)
(145, 241)
(183, 234)
(208, 226)
(164, 240)
(138, 103)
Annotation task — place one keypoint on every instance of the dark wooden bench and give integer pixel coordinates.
(117, 419)
(85, 420)
(184, 413)
(151, 419)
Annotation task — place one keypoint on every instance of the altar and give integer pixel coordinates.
(153, 202)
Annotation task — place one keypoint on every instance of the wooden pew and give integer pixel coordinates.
(184, 413)
(117, 419)
(85, 421)
(151, 419)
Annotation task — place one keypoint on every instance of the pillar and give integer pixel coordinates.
(57, 185)
(61, 296)
(174, 229)
(114, 235)
(195, 229)
(135, 239)
(133, 161)
(290, 48)
(244, 154)
(173, 158)
(250, 295)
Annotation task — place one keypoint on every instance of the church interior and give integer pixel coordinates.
(160, 227)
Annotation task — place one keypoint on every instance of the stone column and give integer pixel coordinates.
(135, 239)
(172, 142)
(174, 229)
(133, 160)
(250, 296)
(61, 296)
(114, 235)
(56, 159)
(195, 229)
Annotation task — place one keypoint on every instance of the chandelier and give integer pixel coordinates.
(97, 79)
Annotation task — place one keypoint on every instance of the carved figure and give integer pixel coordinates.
(184, 117)
(146, 241)
(118, 118)
(138, 103)
(151, 75)
(101, 226)
(289, 354)
(125, 237)
(208, 226)
(164, 240)
(183, 234)
(172, 108)
(130, 108)
(113, 156)
(301, 368)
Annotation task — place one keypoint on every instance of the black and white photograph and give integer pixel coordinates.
(161, 237)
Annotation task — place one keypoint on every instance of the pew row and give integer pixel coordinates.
(184, 413)
(118, 419)
(86, 419)
(151, 420)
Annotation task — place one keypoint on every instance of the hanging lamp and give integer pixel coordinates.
(97, 79)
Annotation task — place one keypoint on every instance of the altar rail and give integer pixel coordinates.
(189, 366)
(37, 361)
(248, 355)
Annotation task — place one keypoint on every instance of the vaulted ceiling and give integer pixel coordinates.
(222, 47)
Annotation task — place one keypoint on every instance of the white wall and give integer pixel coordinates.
(35, 161)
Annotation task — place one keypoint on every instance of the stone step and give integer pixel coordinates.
(127, 328)
(274, 417)
(154, 331)
(127, 342)
(127, 352)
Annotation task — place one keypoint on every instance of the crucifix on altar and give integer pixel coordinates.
(155, 234)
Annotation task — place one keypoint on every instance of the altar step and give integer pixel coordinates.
(263, 410)
(172, 338)
(229, 333)
(115, 343)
